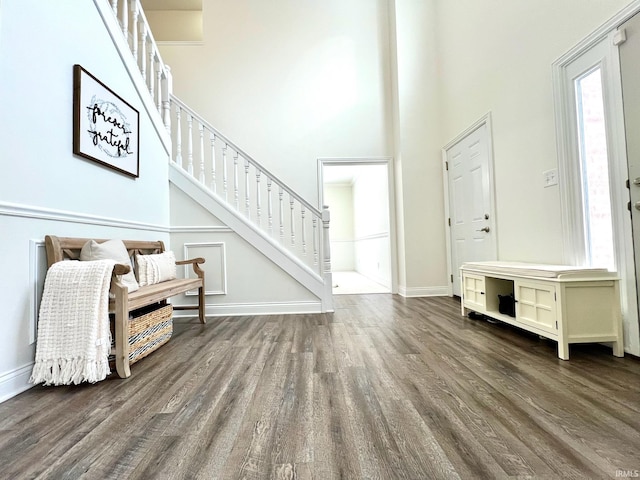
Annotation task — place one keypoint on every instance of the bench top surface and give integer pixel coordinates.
(537, 270)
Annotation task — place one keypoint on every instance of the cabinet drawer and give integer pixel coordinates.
(536, 305)
(473, 288)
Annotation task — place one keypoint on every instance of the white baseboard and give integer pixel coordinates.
(423, 291)
(266, 308)
(15, 381)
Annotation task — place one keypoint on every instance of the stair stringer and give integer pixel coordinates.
(265, 245)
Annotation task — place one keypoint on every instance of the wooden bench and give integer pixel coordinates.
(65, 248)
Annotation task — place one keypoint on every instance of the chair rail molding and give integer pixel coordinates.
(42, 213)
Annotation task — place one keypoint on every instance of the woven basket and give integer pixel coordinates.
(149, 329)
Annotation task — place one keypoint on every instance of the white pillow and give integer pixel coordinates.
(156, 268)
(111, 250)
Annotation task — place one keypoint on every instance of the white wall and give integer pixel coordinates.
(44, 188)
(291, 81)
(502, 64)
(418, 170)
(339, 198)
(238, 278)
(371, 223)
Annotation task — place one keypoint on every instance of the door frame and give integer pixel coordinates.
(356, 161)
(486, 121)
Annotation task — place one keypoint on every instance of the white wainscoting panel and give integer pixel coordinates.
(215, 268)
(37, 273)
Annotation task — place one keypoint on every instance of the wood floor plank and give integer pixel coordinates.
(386, 388)
(421, 455)
(334, 455)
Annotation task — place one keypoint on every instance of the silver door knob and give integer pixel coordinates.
(486, 229)
(637, 205)
(636, 181)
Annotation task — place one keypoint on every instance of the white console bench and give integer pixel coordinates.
(562, 303)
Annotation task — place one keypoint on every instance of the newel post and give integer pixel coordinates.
(167, 89)
(327, 301)
(326, 244)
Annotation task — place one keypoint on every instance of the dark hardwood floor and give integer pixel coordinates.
(384, 388)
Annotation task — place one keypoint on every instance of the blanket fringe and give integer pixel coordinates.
(69, 371)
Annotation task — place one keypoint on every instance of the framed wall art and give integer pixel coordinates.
(106, 129)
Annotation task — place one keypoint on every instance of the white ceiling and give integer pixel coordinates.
(171, 5)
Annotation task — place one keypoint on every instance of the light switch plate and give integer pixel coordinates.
(550, 177)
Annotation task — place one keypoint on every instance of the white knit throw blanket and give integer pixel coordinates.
(74, 338)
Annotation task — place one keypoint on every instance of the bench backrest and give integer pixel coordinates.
(68, 248)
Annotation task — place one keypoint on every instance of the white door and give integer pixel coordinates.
(471, 213)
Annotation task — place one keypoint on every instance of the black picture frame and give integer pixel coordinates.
(106, 128)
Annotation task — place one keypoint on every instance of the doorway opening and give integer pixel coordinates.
(357, 193)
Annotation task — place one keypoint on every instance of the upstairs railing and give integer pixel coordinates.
(156, 75)
(248, 188)
(230, 174)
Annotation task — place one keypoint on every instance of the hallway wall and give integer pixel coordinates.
(503, 65)
(44, 188)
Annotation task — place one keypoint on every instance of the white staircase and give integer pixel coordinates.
(224, 179)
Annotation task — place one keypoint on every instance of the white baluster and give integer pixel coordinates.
(281, 195)
(314, 221)
(178, 136)
(224, 172)
(247, 208)
(167, 88)
(152, 74)
(158, 83)
(125, 21)
(326, 250)
(201, 176)
(190, 144)
(292, 221)
(302, 229)
(142, 60)
(135, 11)
(212, 138)
(236, 194)
(269, 205)
(258, 198)
(114, 7)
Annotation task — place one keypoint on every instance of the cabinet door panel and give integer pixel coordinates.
(536, 305)
(474, 293)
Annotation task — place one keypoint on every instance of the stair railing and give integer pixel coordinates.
(248, 188)
(156, 75)
(229, 173)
